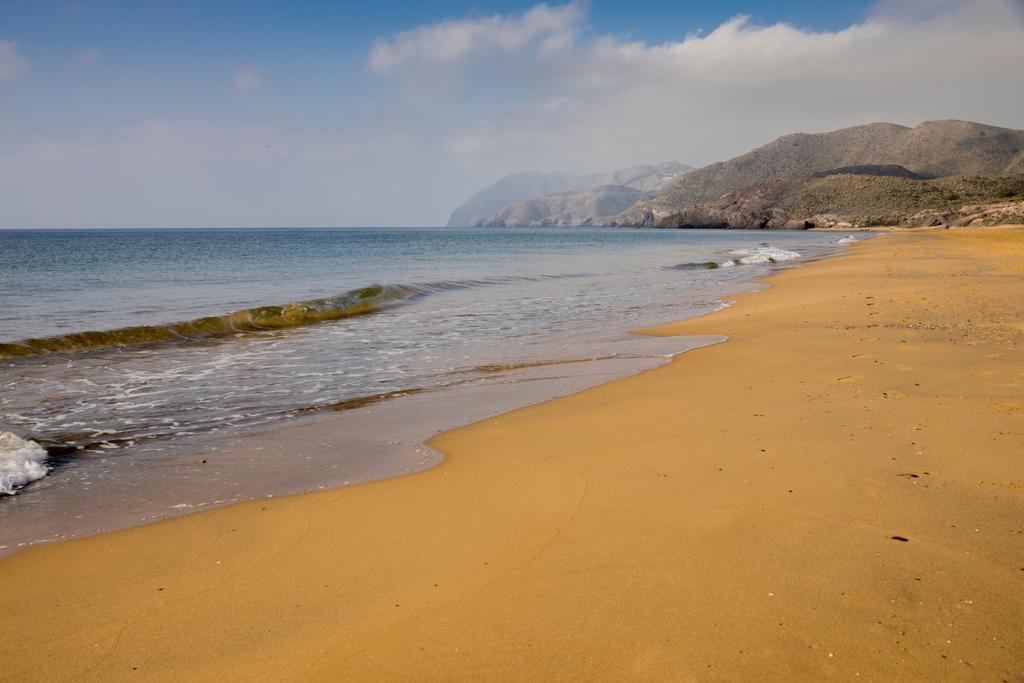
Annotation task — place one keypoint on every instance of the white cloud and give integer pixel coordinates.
(12, 64)
(246, 78)
(86, 57)
(542, 29)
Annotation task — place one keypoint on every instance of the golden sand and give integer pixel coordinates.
(731, 515)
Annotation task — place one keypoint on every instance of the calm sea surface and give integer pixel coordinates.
(128, 340)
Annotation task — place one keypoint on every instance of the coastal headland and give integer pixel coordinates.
(836, 491)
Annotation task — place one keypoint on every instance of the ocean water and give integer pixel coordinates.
(134, 342)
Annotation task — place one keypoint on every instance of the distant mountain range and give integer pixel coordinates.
(940, 172)
(539, 194)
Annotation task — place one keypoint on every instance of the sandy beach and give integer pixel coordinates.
(836, 491)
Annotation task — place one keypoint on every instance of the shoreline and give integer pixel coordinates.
(680, 522)
(378, 441)
(101, 492)
(194, 464)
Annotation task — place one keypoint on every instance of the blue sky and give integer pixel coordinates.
(117, 60)
(155, 30)
(343, 113)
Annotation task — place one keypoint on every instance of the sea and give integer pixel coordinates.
(125, 355)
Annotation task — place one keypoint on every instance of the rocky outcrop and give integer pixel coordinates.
(999, 213)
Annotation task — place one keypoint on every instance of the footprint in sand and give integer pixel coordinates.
(846, 379)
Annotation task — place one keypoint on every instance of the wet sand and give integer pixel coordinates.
(837, 491)
(326, 449)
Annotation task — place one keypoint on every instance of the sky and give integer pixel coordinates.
(178, 113)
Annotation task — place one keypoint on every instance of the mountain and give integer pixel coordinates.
(647, 177)
(579, 207)
(932, 149)
(860, 200)
(515, 188)
(484, 206)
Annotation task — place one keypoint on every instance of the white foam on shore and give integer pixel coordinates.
(21, 461)
(760, 255)
(849, 239)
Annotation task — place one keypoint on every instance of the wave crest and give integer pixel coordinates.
(760, 255)
(296, 314)
(21, 462)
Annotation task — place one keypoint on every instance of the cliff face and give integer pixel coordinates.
(859, 200)
(515, 188)
(932, 149)
(582, 207)
(534, 198)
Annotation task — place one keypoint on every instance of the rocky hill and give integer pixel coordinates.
(646, 177)
(486, 207)
(581, 207)
(515, 188)
(933, 149)
(860, 200)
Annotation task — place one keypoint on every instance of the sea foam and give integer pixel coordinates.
(759, 255)
(21, 461)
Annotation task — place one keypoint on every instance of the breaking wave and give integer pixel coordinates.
(261, 318)
(297, 314)
(759, 255)
(21, 462)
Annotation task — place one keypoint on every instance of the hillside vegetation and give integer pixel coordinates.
(860, 200)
